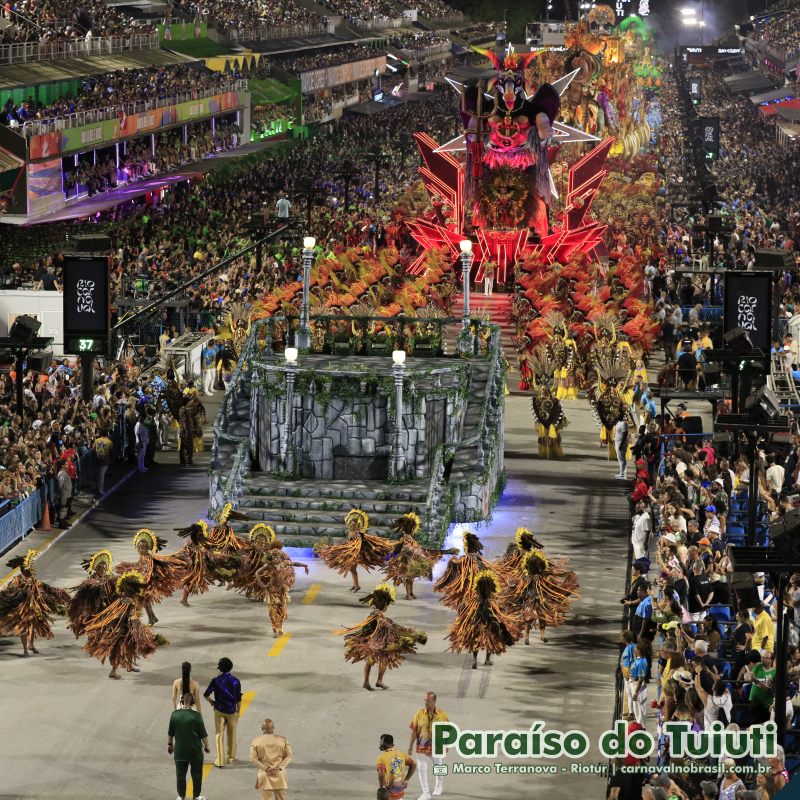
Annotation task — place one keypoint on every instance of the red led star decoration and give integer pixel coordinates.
(443, 176)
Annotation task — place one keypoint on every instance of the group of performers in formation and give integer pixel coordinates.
(611, 369)
(496, 602)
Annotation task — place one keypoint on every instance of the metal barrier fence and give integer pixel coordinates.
(93, 115)
(27, 52)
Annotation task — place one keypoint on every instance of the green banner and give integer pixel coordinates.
(89, 137)
(181, 31)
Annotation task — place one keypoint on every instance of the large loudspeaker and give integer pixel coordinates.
(39, 361)
(24, 329)
(748, 305)
(692, 425)
(768, 258)
(748, 598)
(90, 243)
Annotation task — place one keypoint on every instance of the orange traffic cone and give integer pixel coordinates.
(44, 525)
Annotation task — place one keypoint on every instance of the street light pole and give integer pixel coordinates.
(398, 457)
(466, 261)
(304, 332)
(287, 449)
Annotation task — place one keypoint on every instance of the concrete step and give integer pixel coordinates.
(337, 506)
(290, 533)
(305, 515)
(349, 491)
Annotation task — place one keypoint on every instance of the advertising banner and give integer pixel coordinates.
(195, 109)
(45, 145)
(748, 305)
(89, 136)
(147, 121)
(45, 190)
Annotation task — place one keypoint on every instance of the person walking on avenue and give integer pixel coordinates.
(208, 361)
(64, 495)
(488, 277)
(271, 754)
(227, 691)
(621, 446)
(142, 434)
(186, 684)
(390, 765)
(103, 449)
(422, 736)
(187, 742)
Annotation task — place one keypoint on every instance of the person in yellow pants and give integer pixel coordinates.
(227, 701)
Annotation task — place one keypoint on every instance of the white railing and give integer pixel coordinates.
(379, 23)
(264, 32)
(93, 115)
(27, 52)
(430, 50)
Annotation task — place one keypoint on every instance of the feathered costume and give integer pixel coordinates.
(481, 622)
(361, 549)
(93, 594)
(564, 352)
(28, 605)
(162, 575)
(378, 639)
(541, 591)
(222, 536)
(516, 552)
(459, 575)
(409, 560)
(253, 557)
(545, 405)
(197, 558)
(117, 632)
(278, 579)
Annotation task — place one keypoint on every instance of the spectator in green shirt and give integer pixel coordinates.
(761, 692)
(187, 742)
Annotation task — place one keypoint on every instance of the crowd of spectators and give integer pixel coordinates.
(415, 41)
(783, 32)
(67, 20)
(117, 90)
(234, 15)
(328, 57)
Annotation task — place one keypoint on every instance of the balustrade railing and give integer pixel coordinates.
(27, 52)
(261, 33)
(93, 115)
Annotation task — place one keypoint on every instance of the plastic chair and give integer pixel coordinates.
(720, 613)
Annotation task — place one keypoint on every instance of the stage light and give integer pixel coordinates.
(737, 340)
(309, 242)
(688, 11)
(763, 403)
(399, 357)
(465, 245)
(290, 354)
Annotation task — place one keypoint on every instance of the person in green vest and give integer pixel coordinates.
(187, 742)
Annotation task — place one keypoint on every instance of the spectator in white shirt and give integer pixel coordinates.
(774, 474)
(642, 527)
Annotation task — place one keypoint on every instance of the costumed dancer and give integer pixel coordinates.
(564, 353)
(409, 560)
(607, 400)
(361, 549)
(517, 550)
(252, 558)
(540, 592)
(378, 639)
(459, 575)
(222, 537)
(162, 575)
(191, 417)
(117, 632)
(28, 605)
(93, 594)
(198, 560)
(546, 406)
(481, 623)
(277, 577)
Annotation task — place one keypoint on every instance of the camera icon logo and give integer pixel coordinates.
(440, 769)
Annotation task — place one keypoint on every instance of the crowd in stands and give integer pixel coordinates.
(782, 33)
(477, 31)
(67, 20)
(415, 41)
(115, 90)
(329, 57)
(232, 15)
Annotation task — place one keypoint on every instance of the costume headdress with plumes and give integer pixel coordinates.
(605, 323)
(101, 556)
(261, 531)
(535, 563)
(472, 544)
(556, 320)
(227, 512)
(381, 596)
(486, 583)
(408, 524)
(197, 531)
(25, 563)
(156, 542)
(526, 539)
(130, 583)
(543, 364)
(357, 516)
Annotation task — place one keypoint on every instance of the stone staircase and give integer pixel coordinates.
(302, 511)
